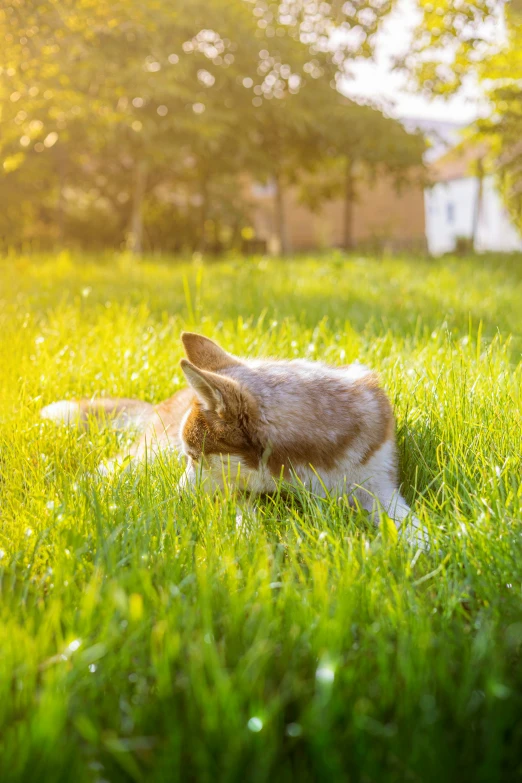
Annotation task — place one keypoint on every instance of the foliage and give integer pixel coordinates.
(503, 130)
(483, 40)
(360, 143)
(453, 38)
(148, 637)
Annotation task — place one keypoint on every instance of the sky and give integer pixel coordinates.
(377, 82)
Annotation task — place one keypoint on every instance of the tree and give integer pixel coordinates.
(453, 39)
(359, 141)
(483, 40)
(131, 115)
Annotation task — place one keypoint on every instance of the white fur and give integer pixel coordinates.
(370, 485)
(375, 491)
(63, 412)
(219, 470)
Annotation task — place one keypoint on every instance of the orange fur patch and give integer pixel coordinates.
(207, 433)
(352, 425)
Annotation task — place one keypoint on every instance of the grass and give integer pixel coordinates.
(144, 637)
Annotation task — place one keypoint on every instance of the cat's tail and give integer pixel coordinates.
(119, 413)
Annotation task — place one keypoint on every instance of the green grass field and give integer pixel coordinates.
(144, 637)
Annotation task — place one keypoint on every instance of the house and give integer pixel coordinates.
(464, 205)
(381, 217)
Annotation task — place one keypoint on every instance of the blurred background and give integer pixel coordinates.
(267, 127)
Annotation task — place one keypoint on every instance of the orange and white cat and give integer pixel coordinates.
(252, 421)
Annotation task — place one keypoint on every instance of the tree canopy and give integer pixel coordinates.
(141, 118)
(480, 39)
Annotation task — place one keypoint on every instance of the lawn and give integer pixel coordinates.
(144, 636)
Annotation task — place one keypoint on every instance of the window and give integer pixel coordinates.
(450, 212)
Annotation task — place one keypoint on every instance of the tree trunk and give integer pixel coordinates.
(280, 217)
(235, 238)
(348, 205)
(203, 214)
(61, 204)
(135, 235)
(478, 203)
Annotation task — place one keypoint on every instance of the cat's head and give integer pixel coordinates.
(219, 433)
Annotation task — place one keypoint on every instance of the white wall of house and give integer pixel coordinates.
(450, 213)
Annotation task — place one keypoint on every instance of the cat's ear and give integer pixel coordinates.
(215, 393)
(205, 353)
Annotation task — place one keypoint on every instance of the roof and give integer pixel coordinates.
(458, 163)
